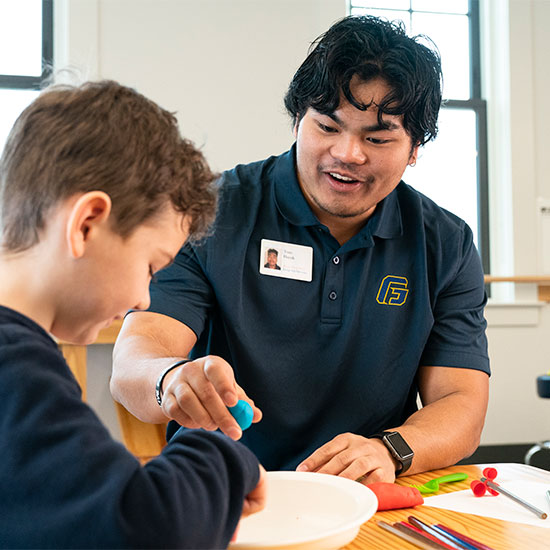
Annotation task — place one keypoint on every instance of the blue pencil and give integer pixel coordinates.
(475, 543)
(437, 534)
(454, 538)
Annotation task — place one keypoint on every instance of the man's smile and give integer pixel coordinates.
(345, 182)
(342, 178)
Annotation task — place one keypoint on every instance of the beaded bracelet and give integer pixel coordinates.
(158, 387)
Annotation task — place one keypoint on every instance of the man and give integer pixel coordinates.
(98, 191)
(381, 299)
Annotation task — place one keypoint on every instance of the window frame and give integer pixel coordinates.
(478, 105)
(24, 82)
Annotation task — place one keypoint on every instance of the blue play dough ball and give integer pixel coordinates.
(242, 413)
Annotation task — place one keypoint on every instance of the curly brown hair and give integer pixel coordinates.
(100, 136)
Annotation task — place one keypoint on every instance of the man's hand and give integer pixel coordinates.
(354, 457)
(197, 394)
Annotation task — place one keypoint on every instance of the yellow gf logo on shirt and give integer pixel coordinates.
(393, 290)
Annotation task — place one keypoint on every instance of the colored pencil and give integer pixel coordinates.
(475, 543)
(439, 536)
(422, 535)
(405, 536)
(457, 540)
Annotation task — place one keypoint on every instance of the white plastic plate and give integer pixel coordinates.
(306, 511)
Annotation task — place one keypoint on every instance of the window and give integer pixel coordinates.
(26, 34)
(452, 170)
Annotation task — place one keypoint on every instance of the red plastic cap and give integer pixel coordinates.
(478, 488)
(490, 473)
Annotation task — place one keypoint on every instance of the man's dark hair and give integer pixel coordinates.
(371, 48)
(273, 251)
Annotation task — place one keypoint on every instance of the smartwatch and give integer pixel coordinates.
(398, 449)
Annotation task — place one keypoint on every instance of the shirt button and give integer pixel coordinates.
(336, 260)
(333, 296)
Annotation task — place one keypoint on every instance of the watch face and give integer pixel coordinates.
(400, 445)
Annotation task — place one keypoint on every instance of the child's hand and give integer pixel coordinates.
(255, 500)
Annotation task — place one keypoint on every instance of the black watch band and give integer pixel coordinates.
(398, 448)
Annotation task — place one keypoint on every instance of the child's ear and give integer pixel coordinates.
(89, 212)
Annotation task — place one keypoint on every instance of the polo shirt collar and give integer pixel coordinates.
(287, 193)
(385, 223)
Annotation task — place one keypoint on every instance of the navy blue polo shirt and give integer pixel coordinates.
(340, 353)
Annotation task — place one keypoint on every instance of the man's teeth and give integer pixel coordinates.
(339, 177)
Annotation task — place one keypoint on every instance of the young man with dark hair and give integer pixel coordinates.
(98, 191)
(380, 301)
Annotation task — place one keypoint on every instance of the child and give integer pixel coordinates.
(98, 191)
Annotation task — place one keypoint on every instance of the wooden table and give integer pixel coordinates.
(500, 535)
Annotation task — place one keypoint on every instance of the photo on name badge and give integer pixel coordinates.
(286, 260)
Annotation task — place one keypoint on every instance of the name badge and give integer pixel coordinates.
(291, 261)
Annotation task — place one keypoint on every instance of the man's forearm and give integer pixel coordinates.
(136, 369)
(439, 436)
(148, 343)
(449, 427)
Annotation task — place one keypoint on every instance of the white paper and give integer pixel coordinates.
(499, 507)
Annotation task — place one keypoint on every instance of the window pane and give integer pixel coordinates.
(21, 37)
(390, 15)
(12, 102)
(387, 4)
(446, 170)
(441, 6)
(451, 35)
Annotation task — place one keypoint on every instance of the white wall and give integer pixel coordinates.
(224, 65)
